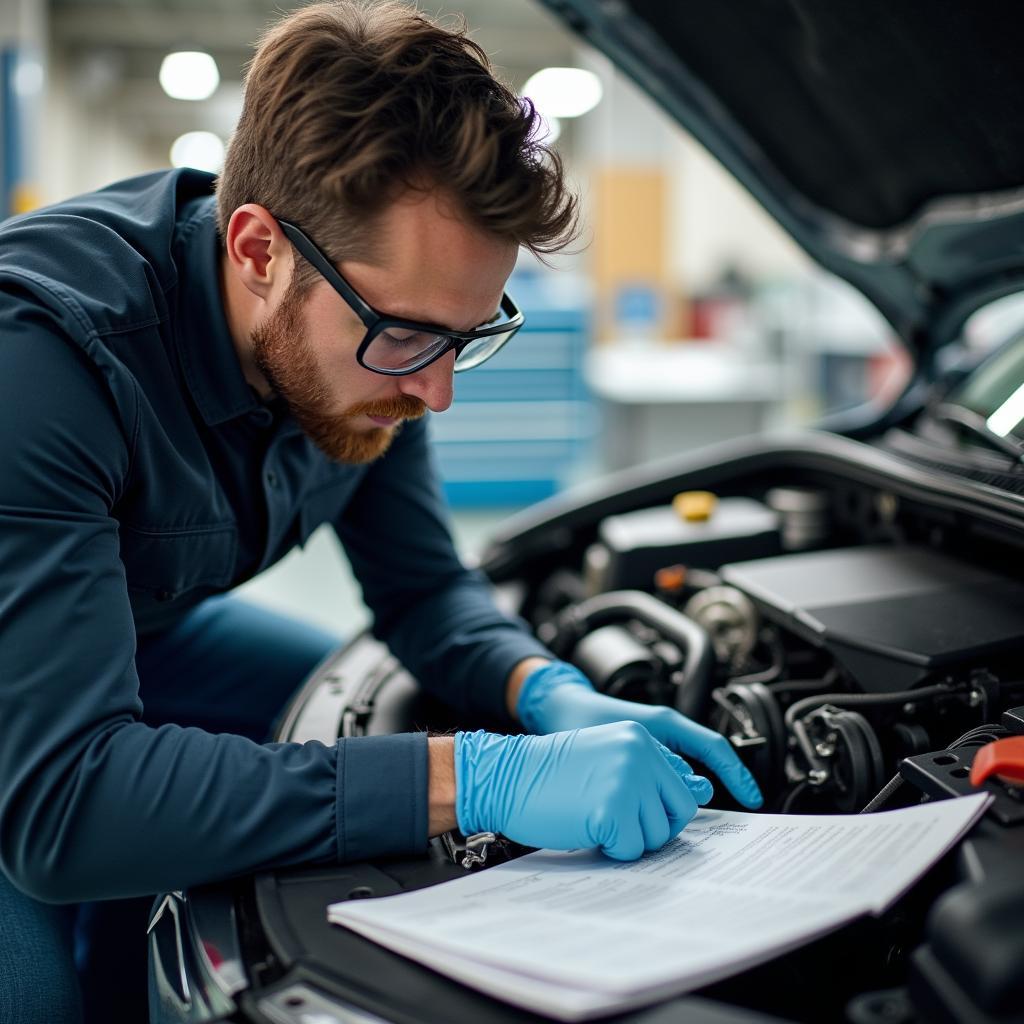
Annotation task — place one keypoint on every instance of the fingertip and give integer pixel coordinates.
(752, 798)
(676, 823)
(701, 788)
(744, 787)
(623, 851)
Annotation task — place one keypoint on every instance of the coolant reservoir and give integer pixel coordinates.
(697, 530)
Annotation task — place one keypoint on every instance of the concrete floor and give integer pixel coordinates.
(316, 583)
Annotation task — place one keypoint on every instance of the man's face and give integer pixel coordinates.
(431, 267)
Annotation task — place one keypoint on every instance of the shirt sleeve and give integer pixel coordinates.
(436, 616)
(94, 803)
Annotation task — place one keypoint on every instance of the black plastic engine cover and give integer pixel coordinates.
(890, 615)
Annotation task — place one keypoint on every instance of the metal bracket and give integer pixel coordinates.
(946, 773)
(471, 851)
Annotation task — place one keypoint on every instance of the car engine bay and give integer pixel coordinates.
(853, 623)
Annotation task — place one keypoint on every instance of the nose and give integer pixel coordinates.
(434, 385)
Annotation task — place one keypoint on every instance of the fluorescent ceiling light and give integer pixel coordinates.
(189, 75)
(202, 150)
(1008, 415)
(564, 92)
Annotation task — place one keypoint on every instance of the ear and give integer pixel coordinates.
(258, 251)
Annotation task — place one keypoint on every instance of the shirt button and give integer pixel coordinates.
(271, 479)
(164, 595)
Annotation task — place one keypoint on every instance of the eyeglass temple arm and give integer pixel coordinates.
(309, 250)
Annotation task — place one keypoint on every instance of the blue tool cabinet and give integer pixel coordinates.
(521, 422)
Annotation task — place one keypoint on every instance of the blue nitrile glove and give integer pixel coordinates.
(557, 696)
(613, 786)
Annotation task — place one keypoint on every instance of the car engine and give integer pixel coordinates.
(825, 667)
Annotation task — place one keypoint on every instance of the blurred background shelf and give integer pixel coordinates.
(522, 422)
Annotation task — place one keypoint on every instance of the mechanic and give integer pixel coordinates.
(188, 387)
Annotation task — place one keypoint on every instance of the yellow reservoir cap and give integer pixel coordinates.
(694, 506)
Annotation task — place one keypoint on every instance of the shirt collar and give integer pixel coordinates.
(207, 351)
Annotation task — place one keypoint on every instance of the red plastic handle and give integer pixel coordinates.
(1004, 758)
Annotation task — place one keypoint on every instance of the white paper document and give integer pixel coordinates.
(576, 935)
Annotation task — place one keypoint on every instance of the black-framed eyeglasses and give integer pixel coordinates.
(396, 346)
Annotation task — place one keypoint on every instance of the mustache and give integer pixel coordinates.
(400, 407)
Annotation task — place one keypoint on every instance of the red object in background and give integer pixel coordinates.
(716, 317)
(1004, 758)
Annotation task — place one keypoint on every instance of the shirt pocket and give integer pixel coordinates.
(165, 564)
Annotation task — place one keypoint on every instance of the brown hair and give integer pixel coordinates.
(349, 103)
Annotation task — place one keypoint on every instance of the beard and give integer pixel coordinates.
(285, 357)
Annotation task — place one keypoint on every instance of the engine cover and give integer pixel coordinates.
(889, 615)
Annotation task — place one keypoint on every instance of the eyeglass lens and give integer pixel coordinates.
(480, 350)
(396, 350)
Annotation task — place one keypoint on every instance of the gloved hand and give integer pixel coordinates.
(613, 786)
(557, 696)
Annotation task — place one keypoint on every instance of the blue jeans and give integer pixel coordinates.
(228, 666)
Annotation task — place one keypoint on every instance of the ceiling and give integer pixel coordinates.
(108, 52)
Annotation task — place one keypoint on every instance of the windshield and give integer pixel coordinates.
(995, 390)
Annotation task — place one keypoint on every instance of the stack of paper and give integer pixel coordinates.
(576, 935)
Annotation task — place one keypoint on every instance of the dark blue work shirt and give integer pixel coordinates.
(139, 474)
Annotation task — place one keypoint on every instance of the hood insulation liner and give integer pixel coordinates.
(868, 109)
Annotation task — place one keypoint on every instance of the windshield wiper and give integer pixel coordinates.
(974, 424)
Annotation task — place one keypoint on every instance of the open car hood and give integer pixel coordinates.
(884, 137)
